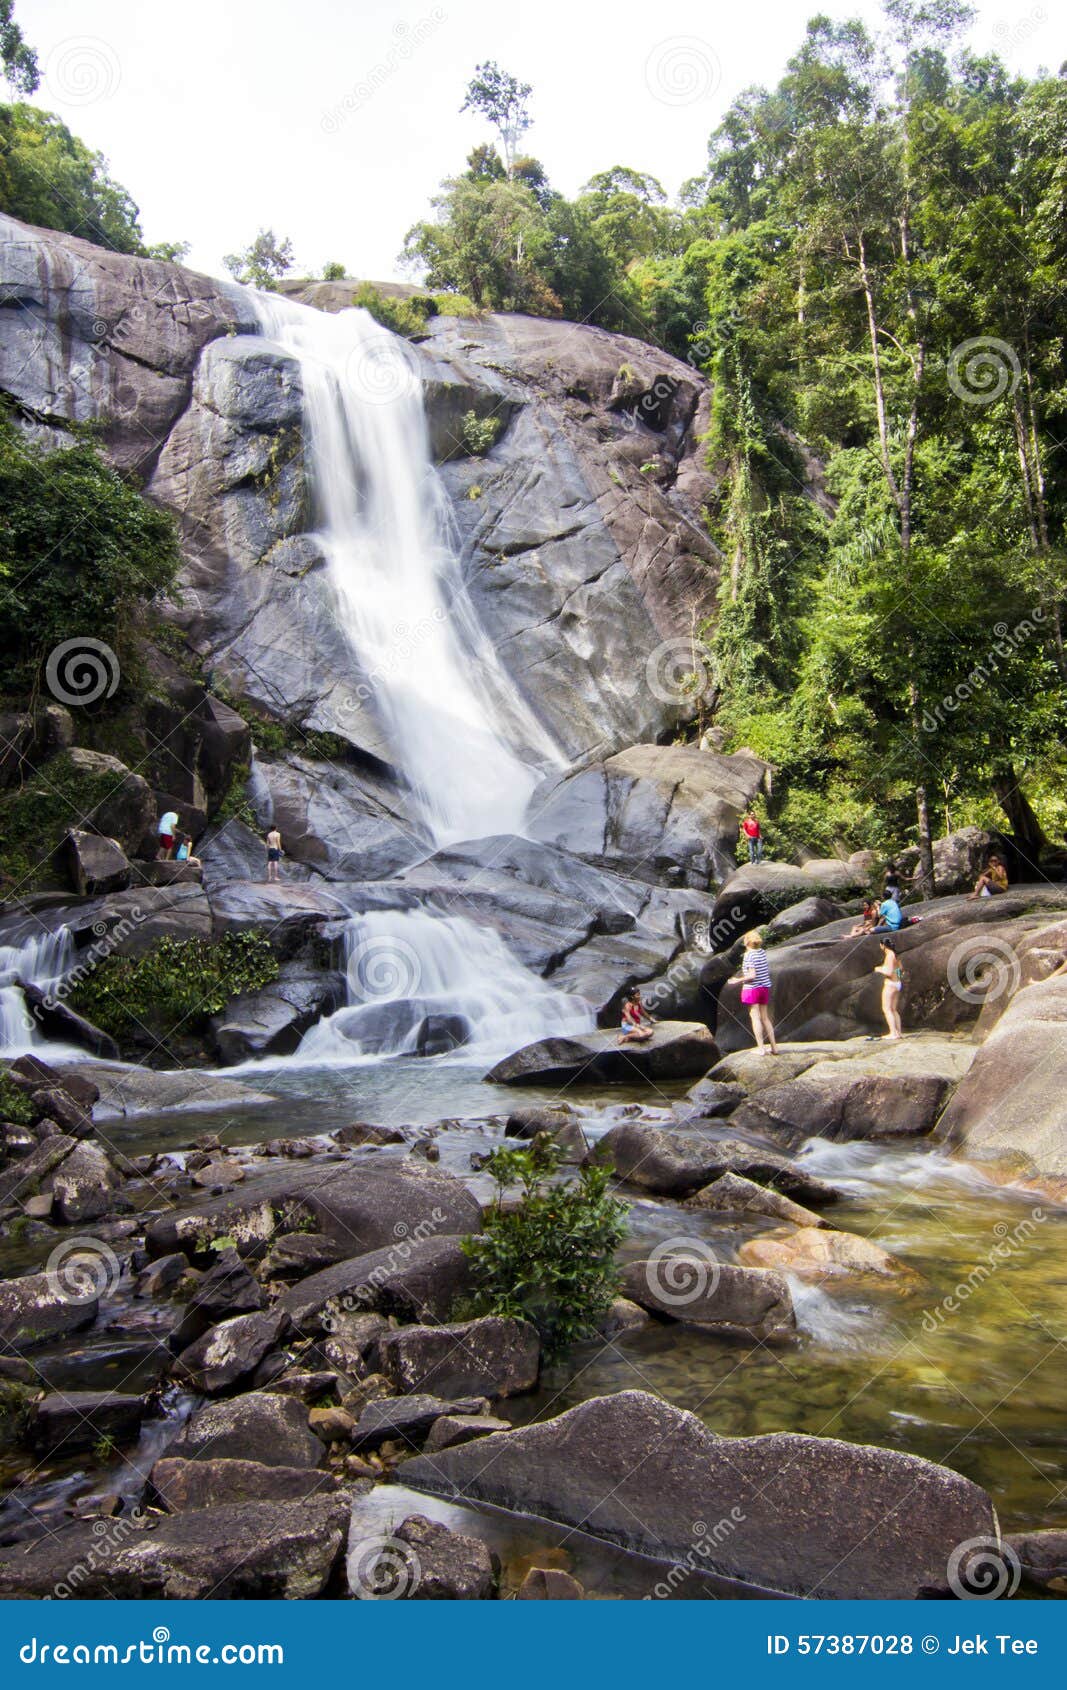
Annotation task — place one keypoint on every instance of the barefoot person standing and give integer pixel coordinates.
(755, 981)
(274, 854)
(892, 973)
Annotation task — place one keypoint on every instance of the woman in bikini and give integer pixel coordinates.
(892, 986)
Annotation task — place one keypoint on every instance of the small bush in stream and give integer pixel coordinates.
(551, 1259)
(175, 986)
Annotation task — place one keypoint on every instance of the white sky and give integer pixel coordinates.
(333, 123)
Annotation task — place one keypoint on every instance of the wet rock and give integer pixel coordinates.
(332, 1424)
(454, 1429)
(366, 1132)
(408, 1418)
(66, 1421)
(298, 1254)
(84, 1185)
(490, 1357)
(22, 1180)
(408, 1279)
(225, 1290)
(692, 1286)
(54, 1104)
(674, 1164)
(160, 1277)
(838, 1104)
(207, 1483)
(1042, 1557)
(39, 1308)
(250, 1550)
(126, 1089)
(425, 1561)
(549, 1584)
(676, 1051)
(260, 1426)
(96, 865)
(623, 1316)
(735, 1195)
(273, 1020)
(527, 1123)
(711, 1099)
(58, 1021)
(803, 1515)
(231, 1351)
(819, 1254)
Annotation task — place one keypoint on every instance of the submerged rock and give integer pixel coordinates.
(806, 1516)
(815, 1253)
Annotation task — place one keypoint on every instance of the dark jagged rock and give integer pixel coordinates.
(839, 1104)
(231, 1351)
(67, 1421)
(490, 1357)
(96, 865)
(251, 1550)
(739, 1302)
(732, 1194)
(37, 1308)
(807, 1516)
(259, 1426)
(675, 1164)
(420, 1278)
(408, 1418)
(84, 1184)
(208, 1483)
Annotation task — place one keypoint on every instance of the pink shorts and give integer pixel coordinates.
(755, 994)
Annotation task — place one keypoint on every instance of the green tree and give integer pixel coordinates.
(50, 178)
(504, 100)
(16, 55)
(263, 262)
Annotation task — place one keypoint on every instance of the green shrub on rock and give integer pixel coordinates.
(551, 1259)
(174, 987)
(15, 1105)
(479, 433)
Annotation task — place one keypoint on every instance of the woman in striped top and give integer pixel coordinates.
(755, 978)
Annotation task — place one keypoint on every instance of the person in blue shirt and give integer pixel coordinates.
(890, 916)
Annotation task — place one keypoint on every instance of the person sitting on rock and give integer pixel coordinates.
(867, 922)
(890, 916)
(993, 880)
(181, 854)
(755, 982)
(638, 1025)
(752, 833)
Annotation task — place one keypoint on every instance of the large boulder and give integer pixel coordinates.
(1010, 1106)
(231, 1351)
(733, 1194)
(490, 1357)
(39, 1307)
(416, 1278)
(678, 1050)
(799, 1515)
(758, 892)
(838, 1103)
(423, 1560)
(64, 1422)
(96, 865)
(959, 858)
(250, 1550)
(259, 1426)
(653, 811)
(687, 1283)
(676, 1164)
(272, 1021)
(84, 1184)
(208, 1483)
(127, 814)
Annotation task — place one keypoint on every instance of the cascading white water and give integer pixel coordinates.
(425, 984)
(41, 961)
(466, 743)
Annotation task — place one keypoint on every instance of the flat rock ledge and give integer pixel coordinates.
(677, 1050)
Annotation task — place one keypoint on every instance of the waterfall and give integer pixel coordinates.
(41, 961)
(426, 985)
(469, 747)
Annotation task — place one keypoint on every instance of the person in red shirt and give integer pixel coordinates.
(750, 830)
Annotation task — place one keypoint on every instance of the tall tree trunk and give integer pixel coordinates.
(1027, 834)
